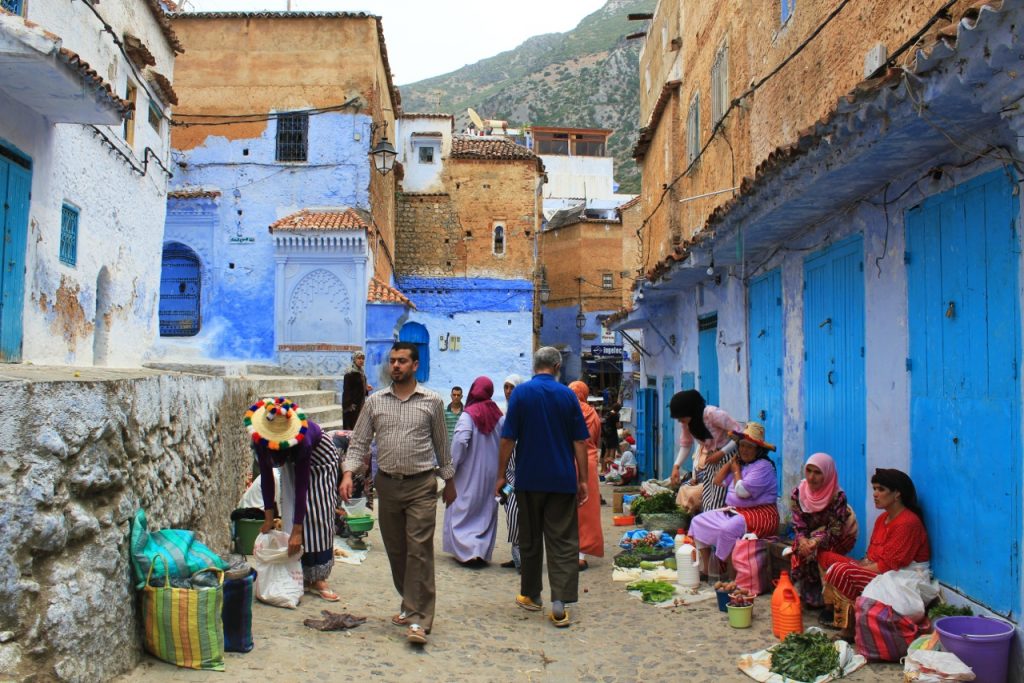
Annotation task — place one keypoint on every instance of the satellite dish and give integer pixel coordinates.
(475, 118)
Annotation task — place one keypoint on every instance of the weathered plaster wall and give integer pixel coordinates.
(576, 176)
(91, 451)
(120, 212)
(421, 130)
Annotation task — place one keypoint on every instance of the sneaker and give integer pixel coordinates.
(416, 635)
(528, 603)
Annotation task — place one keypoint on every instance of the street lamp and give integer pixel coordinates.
(581, 319)
(545, 292)
(383, 154)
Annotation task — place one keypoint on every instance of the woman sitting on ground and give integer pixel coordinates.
(710, 426)
(822, 521)
(752, 487)
(899, 540)
(623, 469)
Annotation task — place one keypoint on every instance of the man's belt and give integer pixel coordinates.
(399, 477)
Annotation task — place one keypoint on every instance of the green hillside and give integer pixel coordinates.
(587, 77)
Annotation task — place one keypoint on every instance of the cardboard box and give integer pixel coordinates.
(617, 501)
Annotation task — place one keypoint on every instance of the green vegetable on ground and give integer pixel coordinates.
(656, 504)
(805, 656)
(653, 591)
(647, 564)
(628, 559)
(944, 609)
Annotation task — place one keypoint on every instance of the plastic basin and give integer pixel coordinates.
(246, 531)
(359, 522)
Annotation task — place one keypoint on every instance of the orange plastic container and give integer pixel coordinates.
(624, 520)
(787, 615)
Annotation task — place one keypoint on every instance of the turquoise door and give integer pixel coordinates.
(765, 329)
(668, 428)
(834, 369)
(16, 188)
(646, 431)
(418, 335)
(962, 260)
(707, 358)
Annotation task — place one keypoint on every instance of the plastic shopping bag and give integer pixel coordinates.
(278, 576)
(899, 590)
(931, 666)
(881, 633)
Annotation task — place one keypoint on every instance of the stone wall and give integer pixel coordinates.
(78, 458)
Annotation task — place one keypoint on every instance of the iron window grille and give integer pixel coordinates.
(292, 137)
(720, 84)
(13, 6)
(68, 235)
(426, 154)
(607, 282)
(499, 240)
(693, 130)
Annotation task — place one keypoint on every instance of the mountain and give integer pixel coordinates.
(587, 77)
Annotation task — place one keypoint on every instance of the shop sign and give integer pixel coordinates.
(606, 350)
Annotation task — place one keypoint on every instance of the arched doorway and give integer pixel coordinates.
(180, 289)
(101, 327)
(417, 334)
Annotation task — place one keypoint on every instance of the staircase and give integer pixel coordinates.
(317, 397)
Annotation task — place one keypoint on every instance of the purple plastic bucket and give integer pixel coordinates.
(982, 643)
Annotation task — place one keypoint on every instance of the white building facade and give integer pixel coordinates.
(85, 91)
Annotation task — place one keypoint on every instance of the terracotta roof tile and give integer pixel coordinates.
(630, 204)
(488, 147)
(163, 85)
(322, 219)
(157, 10)
(647, 132)
(382, 293)
(615, 317)
(427, 115)
(193, 193)
(92, 79)
(138, 52)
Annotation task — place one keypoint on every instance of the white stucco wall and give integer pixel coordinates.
(579, 176)
(413, 132)
(121, 212)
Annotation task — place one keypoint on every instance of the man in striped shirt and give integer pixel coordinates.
(407, 422)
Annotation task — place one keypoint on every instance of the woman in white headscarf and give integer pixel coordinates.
(511, 510)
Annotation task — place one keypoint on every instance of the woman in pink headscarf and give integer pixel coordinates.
(471, 522)
(822, 520)
(591, 534)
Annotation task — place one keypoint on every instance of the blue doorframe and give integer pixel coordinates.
(834, 368)
(646, 431)
(15, 195)
(707, 358)
(418, 335)
(181, 283)
(962, 262)
(668, 428)
(766, 349)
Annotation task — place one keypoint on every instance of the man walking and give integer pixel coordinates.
(407, 421)
(453, 411)
(545, 426)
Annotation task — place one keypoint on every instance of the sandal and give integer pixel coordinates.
(400, 619)
(560, 622)
(416, 635)
(584, 566)
(528, 604)
(324, 594)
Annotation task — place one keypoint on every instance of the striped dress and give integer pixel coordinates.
(511, 508)
(318, 527)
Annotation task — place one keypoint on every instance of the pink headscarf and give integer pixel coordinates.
(481, 408)
(816, 501)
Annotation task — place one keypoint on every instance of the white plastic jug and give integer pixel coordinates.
(687, 566)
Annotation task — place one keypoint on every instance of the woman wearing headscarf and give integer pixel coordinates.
(354, 389)
(822, 520)
(752, 489)
(589, 514)
(709, 426)
(511, 509)
(471, 522)
(898, 540)
(284, 438)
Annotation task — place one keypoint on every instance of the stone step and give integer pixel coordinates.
(308, 400)
(325, 415)
(272, 385)
(331, 426)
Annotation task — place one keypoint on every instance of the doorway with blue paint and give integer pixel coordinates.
(766, 349)
(962, 259)
(707, 358)
(181, 284)
(835, 402)
(668, 429)
(15, 193)
(418, 335)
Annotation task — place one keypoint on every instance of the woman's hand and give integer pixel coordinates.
(806, 547)
(268, 522)
(675, 475)
(295, 541)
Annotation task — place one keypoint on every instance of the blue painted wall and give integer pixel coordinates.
(560, 330)
(233, 237)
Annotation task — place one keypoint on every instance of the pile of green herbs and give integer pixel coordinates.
(944, 609)
(659, 503)
(805, 656)
(653, 591)
(629, 559)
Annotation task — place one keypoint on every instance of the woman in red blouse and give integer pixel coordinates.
(897, 541)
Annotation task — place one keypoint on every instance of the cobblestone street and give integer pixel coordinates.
(481, 635)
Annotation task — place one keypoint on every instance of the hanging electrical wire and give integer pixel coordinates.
(234, 119)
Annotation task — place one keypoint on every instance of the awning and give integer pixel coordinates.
(51, 80)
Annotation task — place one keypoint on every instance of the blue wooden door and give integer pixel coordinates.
(180, 291)
(646, 430)
(834, 368)
(962, 260)
(418, 335)
(707, 358)
(668, 428)
(765, 329)
(15, 193)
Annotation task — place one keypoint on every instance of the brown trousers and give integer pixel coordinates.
(549, 521)
(407, 511)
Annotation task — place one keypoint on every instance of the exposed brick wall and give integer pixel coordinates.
(631, 218)
(451, 234)
(805, 90)
(590, 250)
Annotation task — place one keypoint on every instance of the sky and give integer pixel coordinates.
(431, 37)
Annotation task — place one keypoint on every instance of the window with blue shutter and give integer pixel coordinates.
(68, 234)
(787, 9)
(12, 5)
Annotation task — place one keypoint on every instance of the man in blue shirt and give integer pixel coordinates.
(545, 426)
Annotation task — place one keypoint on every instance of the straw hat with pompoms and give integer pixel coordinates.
(276, 423)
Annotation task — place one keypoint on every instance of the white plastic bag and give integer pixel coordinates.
(933, 666)
(898, 589)
(278, 576)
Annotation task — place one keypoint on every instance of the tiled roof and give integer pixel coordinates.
(322, 219)
(163, 84)
(91, 78)
(138, 52)
(157, 10)
(630, 204)
(427, 115)
(939, 45)
(193, 193)
(488, 147)
(615, 317)
(647, 132)
(383, 293)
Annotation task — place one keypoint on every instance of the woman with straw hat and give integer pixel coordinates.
(284, 438)
(752, 487)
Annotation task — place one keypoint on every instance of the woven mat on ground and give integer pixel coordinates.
(758, 665)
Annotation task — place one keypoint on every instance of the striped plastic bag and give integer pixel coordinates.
(183, 626)
(181, 553)
(883, 634)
